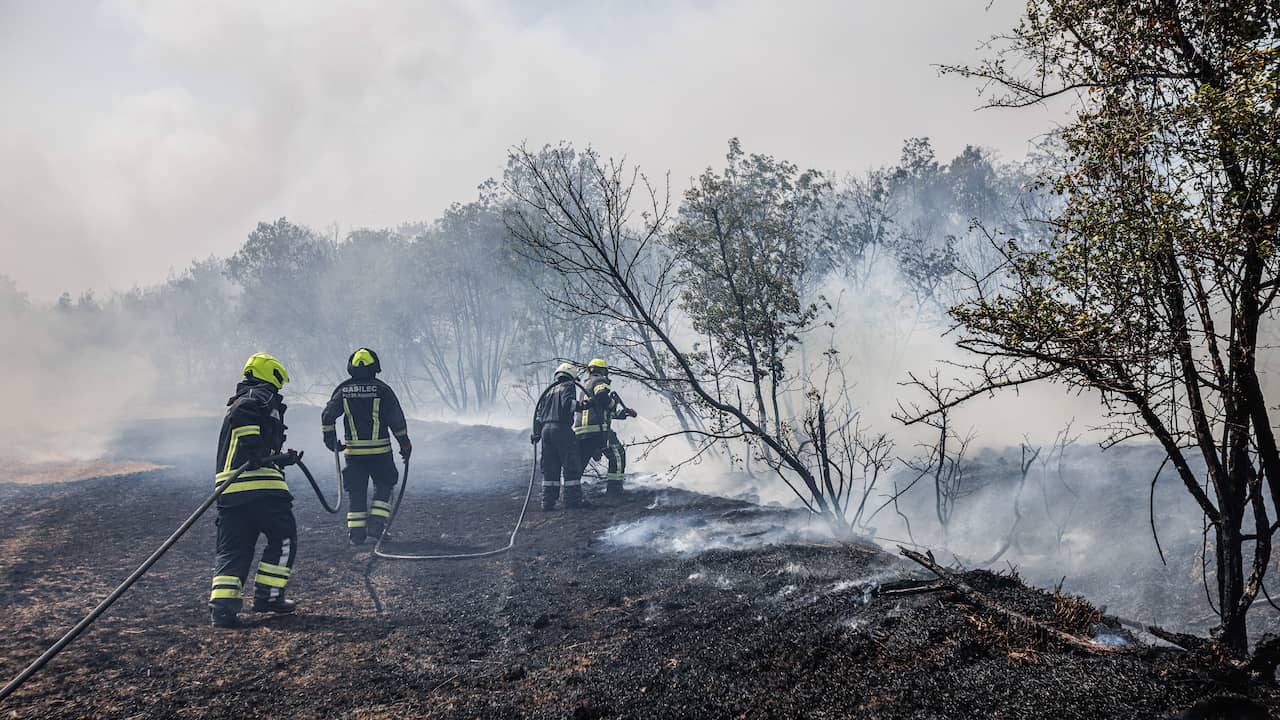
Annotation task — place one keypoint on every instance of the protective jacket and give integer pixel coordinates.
(560, 462)
(252, 430)
(372, 414)
(599, 407)
(557, 405)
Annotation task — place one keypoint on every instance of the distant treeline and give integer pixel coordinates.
(455, 309)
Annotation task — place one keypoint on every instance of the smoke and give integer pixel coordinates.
(192, 121)
(75, 378)
(696, 532)
(199, 120)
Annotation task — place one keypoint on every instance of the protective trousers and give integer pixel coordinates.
(364, 517)
(238, 530)
(593, 445)
(560, 456)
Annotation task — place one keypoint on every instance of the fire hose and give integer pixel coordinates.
(107, 602)
(511, 541)
(337, 504)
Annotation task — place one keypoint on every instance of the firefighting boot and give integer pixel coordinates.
(613, 491)
(280, 606)
(550, 494)
(356, 535)
(573, 499)
(375, 527)
(223, 616)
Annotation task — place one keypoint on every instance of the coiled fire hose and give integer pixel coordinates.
(511, 541)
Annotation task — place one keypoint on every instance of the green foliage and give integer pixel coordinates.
(745, 239)
(1163, 263)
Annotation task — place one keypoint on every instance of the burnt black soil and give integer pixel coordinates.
(569, 625)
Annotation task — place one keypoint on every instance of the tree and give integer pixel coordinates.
(12, 300)
(468, 306)
(1163, 263)
(572, 214)
(283, 271)
(193, 311)
(600, 225)
(746, 240)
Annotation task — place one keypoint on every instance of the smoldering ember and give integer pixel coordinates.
(494, 359)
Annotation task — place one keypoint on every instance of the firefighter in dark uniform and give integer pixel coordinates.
(258, 502)
(371, 410)
(553, 427)
(600, 406)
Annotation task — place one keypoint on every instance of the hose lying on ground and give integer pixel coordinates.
(88, 620)
(511, 541)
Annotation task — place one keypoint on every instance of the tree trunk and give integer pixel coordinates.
(1231, 585)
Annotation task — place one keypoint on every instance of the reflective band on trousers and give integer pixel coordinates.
(270, 580)
(587, 429)
(225, 587)
(273, 569)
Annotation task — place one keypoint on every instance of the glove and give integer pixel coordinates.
(632, 413)
(331, 441)
(291, 457)
(406, 449)
(534, 439)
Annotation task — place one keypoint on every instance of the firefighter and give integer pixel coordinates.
(258, 502)
(599, 406)
(553, 427)
(371, 410)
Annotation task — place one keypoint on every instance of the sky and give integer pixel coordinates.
(139, 135)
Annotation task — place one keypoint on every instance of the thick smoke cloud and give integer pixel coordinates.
(142, 134)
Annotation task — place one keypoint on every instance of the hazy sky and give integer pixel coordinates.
(140, 134)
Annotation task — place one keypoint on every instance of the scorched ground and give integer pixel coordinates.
(573, 623)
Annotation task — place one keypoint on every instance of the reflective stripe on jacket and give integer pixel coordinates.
(372, 414)
(252, 430)
(599, 406)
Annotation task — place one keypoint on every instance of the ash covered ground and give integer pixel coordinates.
(669, 604)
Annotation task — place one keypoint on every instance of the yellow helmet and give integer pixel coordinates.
(597, 364)
(364, 363)
(266, 368)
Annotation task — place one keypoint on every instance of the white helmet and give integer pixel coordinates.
(567, 369)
